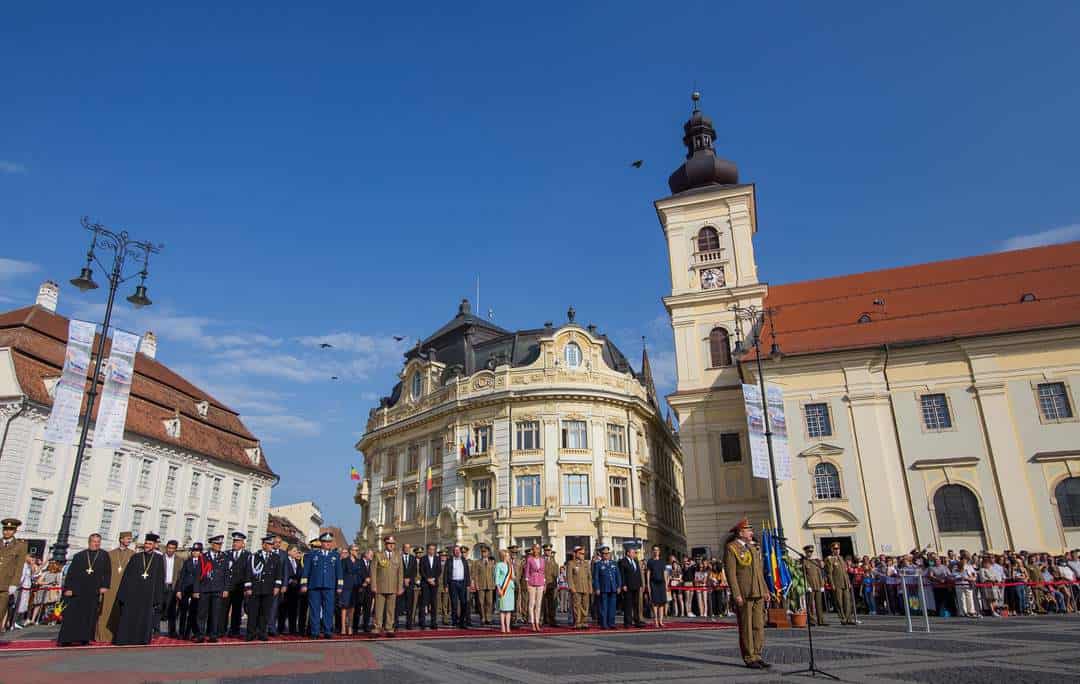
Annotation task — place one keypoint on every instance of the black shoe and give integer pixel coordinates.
(250, 638)
(264, 638)
(764, 664)
(197, 640)
(213, 640)
(755, 665)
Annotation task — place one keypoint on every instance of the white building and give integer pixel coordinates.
(304, 514)
(188, 468)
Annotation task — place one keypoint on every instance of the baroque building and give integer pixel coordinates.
(925, 406)
(188, 468)
(498, 437)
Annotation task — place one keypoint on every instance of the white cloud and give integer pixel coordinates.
(1045, 237)
(273, 428)
(11, 167)
(13, 268)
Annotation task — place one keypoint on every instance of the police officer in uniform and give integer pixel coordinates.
(607, 585)
(237, 560)
(12, 558)
(551, 587)
(212, 592)
(836, 572)
(322, 581)
(262, 583)
(815, 582)
(579, 581)
(743, 568)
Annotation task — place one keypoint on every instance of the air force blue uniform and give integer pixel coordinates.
(607, 579)
(323, 578)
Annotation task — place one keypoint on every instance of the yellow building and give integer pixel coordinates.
(544, 435)
(926, 406)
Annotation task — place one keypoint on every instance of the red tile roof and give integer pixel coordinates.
(284, 528)
(959, 298)
(38, 338)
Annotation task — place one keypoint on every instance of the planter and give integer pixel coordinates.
(777, 617)
(798, 619)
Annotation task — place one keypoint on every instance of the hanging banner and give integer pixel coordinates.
(759, 448)
(68, 395)
(109, 428)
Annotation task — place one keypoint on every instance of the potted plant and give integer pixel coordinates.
(796, 592)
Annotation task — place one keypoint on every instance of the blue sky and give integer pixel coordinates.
(348, 171)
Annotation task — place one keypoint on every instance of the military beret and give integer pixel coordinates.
(742, 524)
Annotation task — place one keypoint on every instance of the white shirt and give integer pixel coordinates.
(1066, 572)
(169, 560)
(457, 571)
(431, 561)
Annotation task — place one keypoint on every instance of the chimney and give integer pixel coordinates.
(47, 295)
(148, 346)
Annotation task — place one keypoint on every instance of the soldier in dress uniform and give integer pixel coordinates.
(387, 585)
(444, 593)
(238, 559)
(118, 560)
(743, 568)
(262, 583)
(607, 585)
(322, 581)
(483, 579)
(551, 587)
(579, 581)
(12, 558)
(815, 582)
(211, 590)
(836, 572)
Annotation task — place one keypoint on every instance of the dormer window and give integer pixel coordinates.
(417, 385)
(572, 355)
(202, 407)
(255, 455)
(172, 427)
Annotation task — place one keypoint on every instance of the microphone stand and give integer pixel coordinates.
(812, 670)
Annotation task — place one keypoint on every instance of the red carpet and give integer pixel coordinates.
(401, 635)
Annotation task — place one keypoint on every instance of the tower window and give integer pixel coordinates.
(719, 348)
(572, 354)
(708, 239)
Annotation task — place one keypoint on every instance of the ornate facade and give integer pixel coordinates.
(931, 405)
(535, 435)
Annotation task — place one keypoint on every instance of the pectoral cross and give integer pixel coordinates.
(145, 575)
(89, 571)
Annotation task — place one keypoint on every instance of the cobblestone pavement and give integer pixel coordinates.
(1015, 650)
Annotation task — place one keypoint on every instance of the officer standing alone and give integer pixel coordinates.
(743, 568)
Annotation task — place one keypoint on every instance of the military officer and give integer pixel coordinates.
(836, 572)
(815, 583)
(551, 587)
(262, 582)
(743, 568)
(211, 591)
(322, 581)
(444, 593)
(387, 584)
(483, 579)
(12, 558)
(607, 585)
(579, 581)
(237, 561)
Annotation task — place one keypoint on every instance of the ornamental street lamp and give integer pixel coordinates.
(122, 246)
(755, 316)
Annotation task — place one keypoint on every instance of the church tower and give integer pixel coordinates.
(709, 221)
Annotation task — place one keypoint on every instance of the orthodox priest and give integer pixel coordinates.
(118, 560)
(88, 578)
(141, 593)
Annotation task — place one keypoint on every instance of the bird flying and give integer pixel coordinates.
(637, 163)
(326, 345)
(333, 377)
(398, 338)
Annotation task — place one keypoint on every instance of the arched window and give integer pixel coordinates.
(417, 385)
(719, 348)
(708, 239)
(826, 481)
(1067, 494)
(957, 510)
(572, 354)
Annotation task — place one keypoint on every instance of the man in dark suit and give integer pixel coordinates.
(409, 575)
(186, 592)
(279, 598)
(174, 566)
(631, 588)
(262, 582)
(238, 559)
(431, 570)
(456, 577)
(364, 597)
(289, 596)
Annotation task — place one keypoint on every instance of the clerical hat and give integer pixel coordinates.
(150, 536)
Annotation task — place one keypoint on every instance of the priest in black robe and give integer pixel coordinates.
(87, 578)
(142, 591)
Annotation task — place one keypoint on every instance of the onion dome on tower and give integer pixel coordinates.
(702, 167)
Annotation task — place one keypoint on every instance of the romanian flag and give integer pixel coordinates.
(776, 572)
(354, 474)
(428, 484)
(461, 449)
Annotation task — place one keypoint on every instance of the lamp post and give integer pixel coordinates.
(756, 317)
(122, 246)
